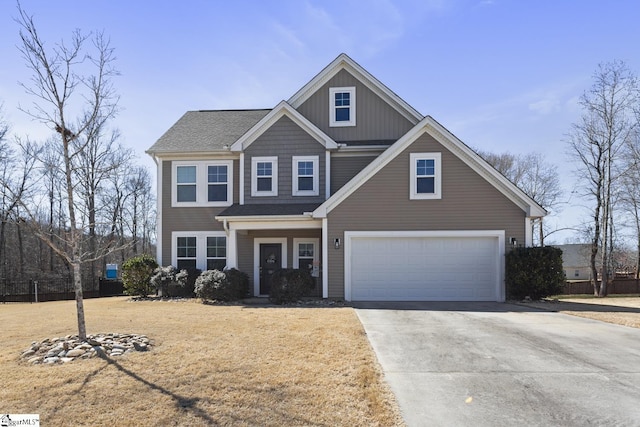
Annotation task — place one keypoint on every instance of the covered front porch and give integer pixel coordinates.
(264, 238)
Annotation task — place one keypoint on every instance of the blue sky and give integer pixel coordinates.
(502, 75)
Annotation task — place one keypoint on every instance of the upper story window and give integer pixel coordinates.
(305, 180)
(202, 183)
(426, 181)
(342, 106)
(264, 176)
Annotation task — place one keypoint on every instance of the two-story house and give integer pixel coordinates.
(346, 179)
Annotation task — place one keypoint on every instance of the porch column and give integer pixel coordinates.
(325, 259)
(232, 249)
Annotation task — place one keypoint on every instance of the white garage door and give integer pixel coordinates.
(457, 268)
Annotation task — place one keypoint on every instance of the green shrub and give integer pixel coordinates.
(167, 280)
(289, 285)
(137, 273)
(534, 272)
(238, 283)
(230, 285)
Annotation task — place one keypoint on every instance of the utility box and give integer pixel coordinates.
(112, 271)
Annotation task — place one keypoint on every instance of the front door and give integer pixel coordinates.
(270, 261)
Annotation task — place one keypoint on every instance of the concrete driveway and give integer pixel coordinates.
(492, 364)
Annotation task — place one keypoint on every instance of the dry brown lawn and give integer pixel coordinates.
(210, 365)
(619, 310)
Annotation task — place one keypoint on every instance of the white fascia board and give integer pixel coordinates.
(198, 155)
(343, 61)
(283, 109)
(450, 142)
(271, 223)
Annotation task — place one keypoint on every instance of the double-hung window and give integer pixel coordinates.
(342, 106)
(202, 183)
(186, 252)
(264, 176)
(305, 255)
(202, 250)
(425, 176)
(305, 180)
(216, 252)
(186, 184)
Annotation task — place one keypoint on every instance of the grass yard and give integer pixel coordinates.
(621, 310)
(209, 365)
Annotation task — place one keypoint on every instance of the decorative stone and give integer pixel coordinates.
(75, 352)
(70, 347)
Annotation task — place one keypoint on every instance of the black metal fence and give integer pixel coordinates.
(55, 289)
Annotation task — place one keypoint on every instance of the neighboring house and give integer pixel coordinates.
(575, 260)
(346, 179)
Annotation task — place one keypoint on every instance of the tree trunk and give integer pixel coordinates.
(77, 284)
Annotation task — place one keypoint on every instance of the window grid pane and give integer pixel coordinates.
(264, 169)
(186, 247)
(217, 174)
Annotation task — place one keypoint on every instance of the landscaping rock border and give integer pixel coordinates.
(71, 347)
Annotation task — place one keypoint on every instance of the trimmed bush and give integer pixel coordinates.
(167, 279)
(137, 273)
(230, 285)
(289, 285)
(534, 272)
(238, 283)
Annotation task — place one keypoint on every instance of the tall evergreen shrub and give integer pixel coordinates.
(534, 272)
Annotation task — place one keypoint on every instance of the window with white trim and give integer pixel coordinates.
(264, 176)
(425, 176)
(186, 253)
(202, 183)
(216, 252)
(306, 176)
(342, 106)
(202, 250)
(305, 254)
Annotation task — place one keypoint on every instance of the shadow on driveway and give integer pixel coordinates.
(465, 306)
(493, 307)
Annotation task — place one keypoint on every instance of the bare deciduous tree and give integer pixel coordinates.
(533, 175)
(597, 143)
(71, 84)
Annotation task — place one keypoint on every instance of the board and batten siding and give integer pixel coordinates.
(284, 139)
(468, 202)
(375, 118)
(187, 218)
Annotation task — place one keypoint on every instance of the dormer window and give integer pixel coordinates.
(342, 106)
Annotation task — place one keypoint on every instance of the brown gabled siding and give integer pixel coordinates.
(284, 139)
(345, 168)
(375, 119)
(382, 203)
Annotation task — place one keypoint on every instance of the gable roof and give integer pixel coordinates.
(343, 62)
(206, 130)
(453, 144)
(281, 110)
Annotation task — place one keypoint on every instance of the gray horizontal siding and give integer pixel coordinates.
(382, 203)
(375, 119)
(284, 139)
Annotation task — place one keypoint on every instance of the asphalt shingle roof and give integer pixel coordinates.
(269, 209)
(206, 130)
